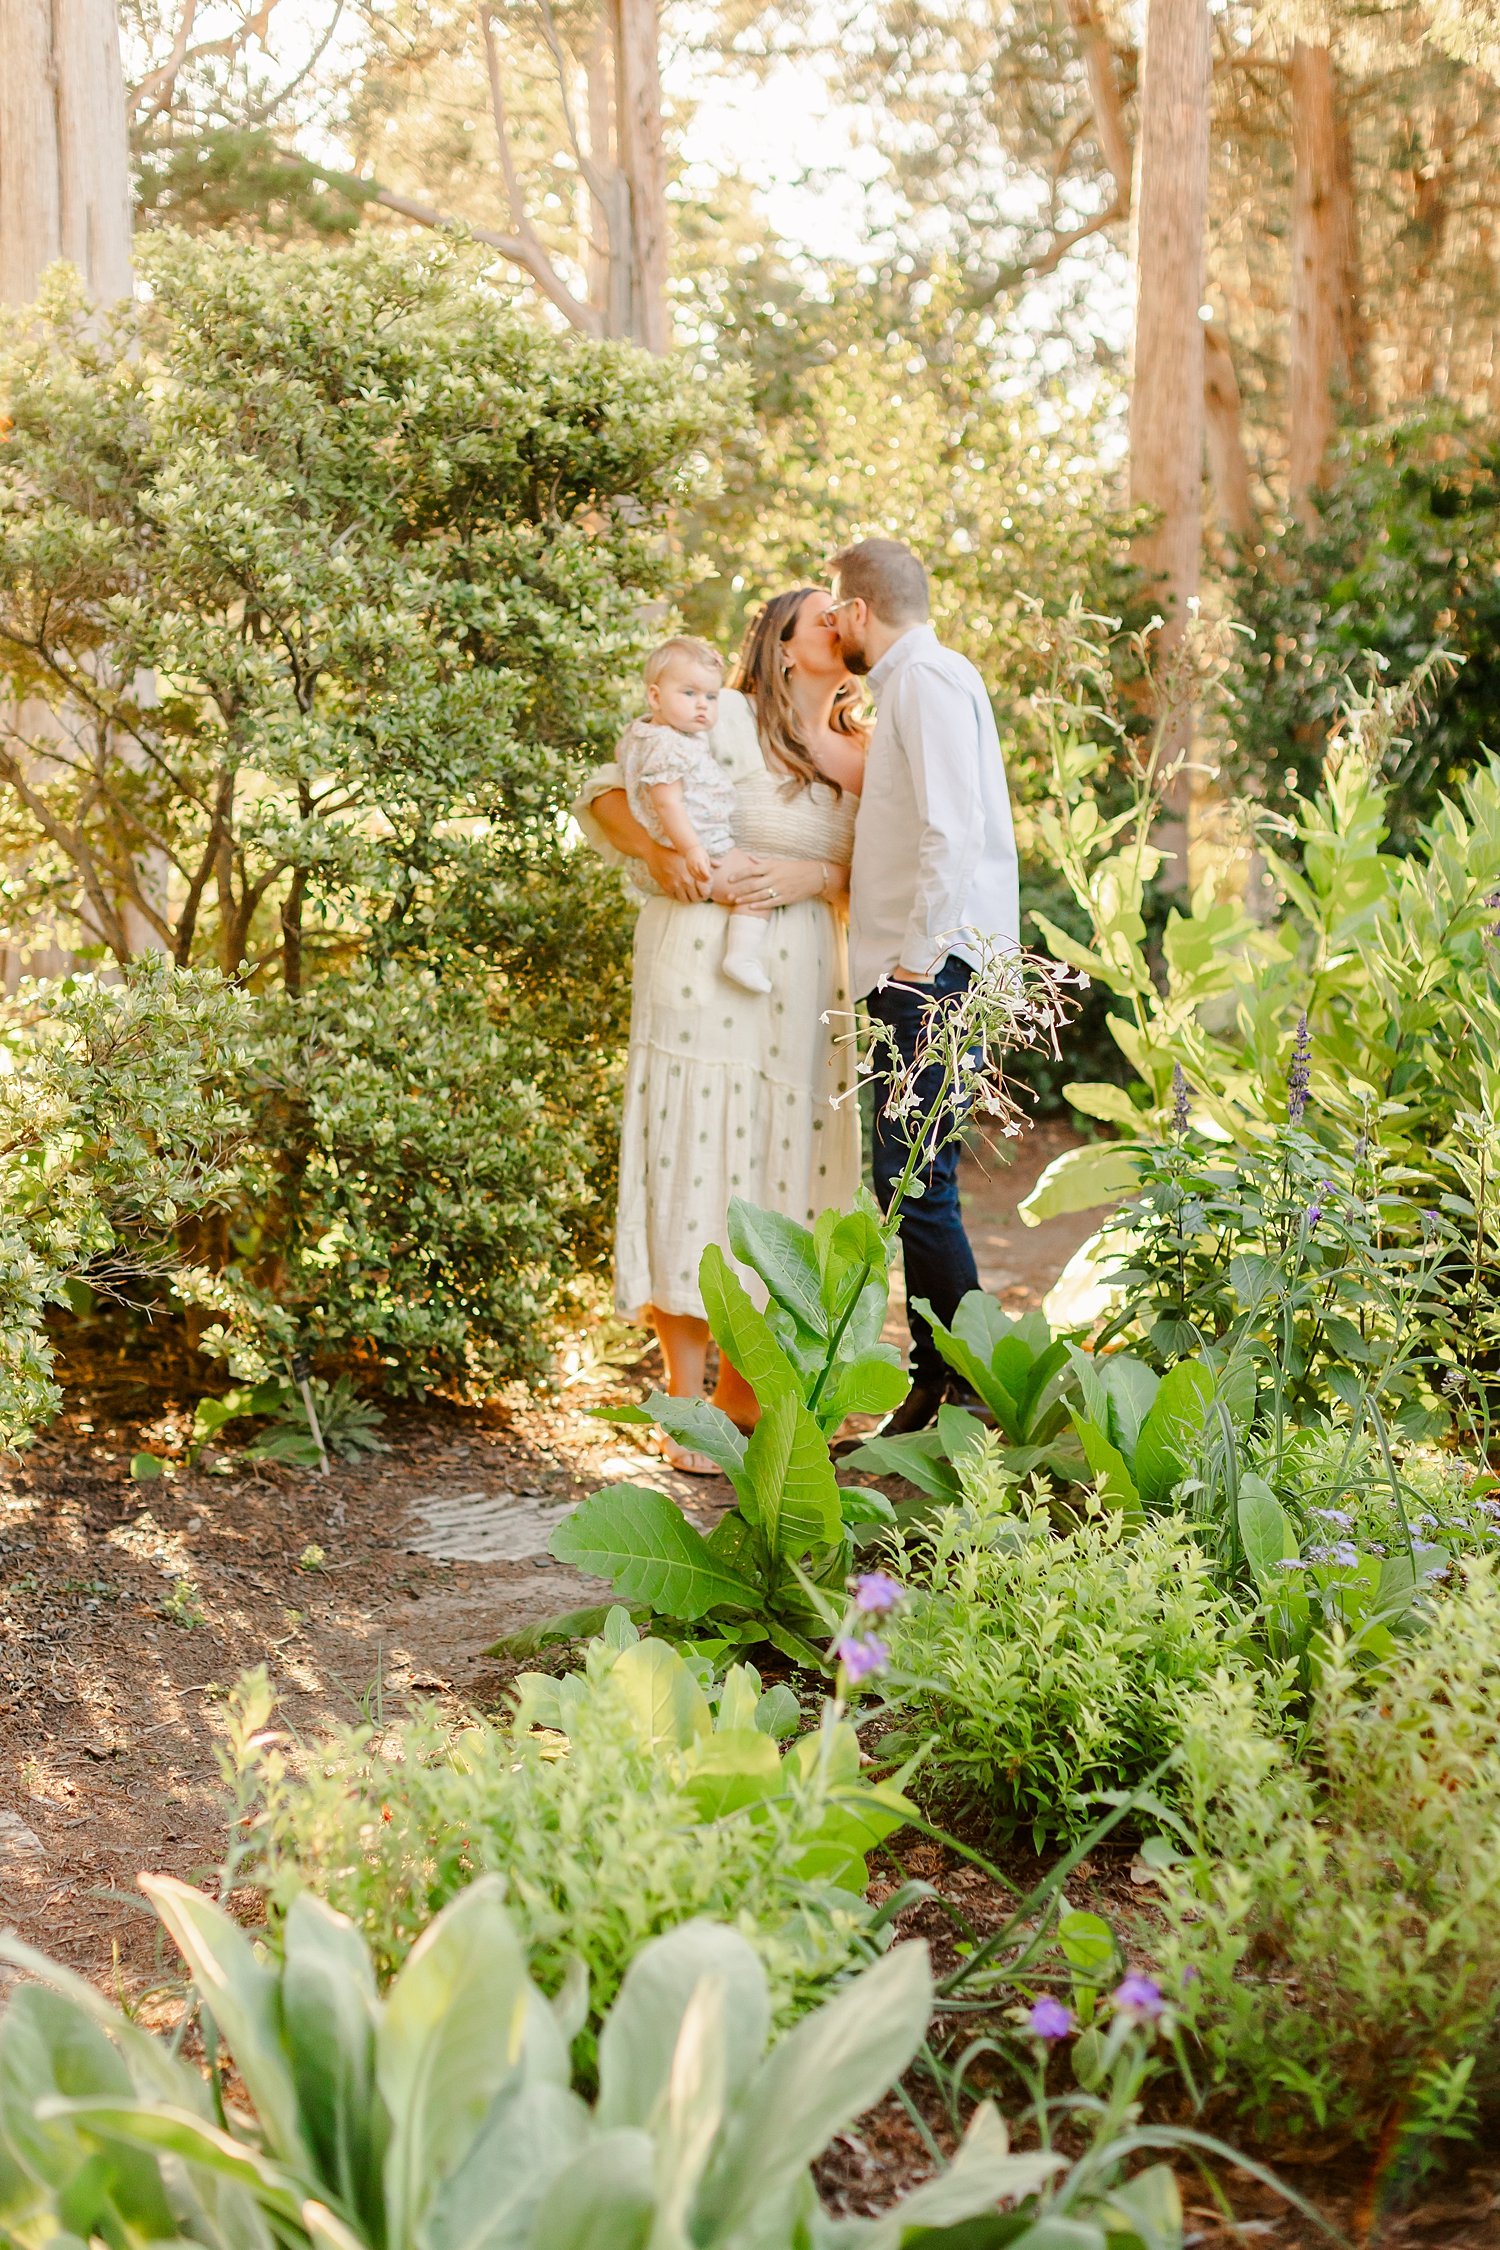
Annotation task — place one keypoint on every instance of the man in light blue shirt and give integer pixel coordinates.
(933, 886)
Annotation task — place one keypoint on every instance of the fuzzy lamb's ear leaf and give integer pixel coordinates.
(639, 2038)
(650, 1553)
(243, 1995)
(983, 2173)
(454, 2029)
(835, 2065)
(605, 2199)
(329, 2008)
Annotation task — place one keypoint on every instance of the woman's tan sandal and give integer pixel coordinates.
(685, 1461)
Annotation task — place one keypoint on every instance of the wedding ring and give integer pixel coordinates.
(773, 894)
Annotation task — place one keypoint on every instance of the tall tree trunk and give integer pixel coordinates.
(64, 193)
(642, 160)
(64, 160)
(1171, 212)
(1166, 397)
(1324, 318)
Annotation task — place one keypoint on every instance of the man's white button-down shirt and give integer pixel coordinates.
(934, 866)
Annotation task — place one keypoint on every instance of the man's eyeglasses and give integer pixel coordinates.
(831, 612)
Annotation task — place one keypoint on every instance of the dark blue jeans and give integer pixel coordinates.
(934, 1247)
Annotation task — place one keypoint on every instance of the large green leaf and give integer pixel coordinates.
(1265, 1533)
(649, 1552)
(707, 1429)
(605, 2199)
(790, 1488)
(871, 1384)
(1113, 1480)
(490, 2202)
(665, 1701)
(639, 2038)
(785, 1256)
(920, 1457)
(741, 1331)
(1099, 1172)
(816, 2080)
(1132, 1387)
(51, 2052)
(453, 2031)
(976, 1372)
(329, 2008)
(983, 2172)
(1173, 1430)
(243, 1996)
(176, 2132)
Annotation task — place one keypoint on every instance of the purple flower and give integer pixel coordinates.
(1315, 1208)
(1140, 1998)
(861, 1657)
(1299, 1077)
(1049, 2019)
(1339, 1517)
(876, 1592)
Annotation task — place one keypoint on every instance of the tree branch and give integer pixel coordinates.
(1046, 261)
(533, 255)
(1104, 94)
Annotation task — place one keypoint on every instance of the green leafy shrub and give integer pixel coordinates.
(443, 2114)
(383, 552)
(637, 1806)
(1053, 1668)
(428, 1171)
(120, 1123)
(1401, 561)
(1334, 1936)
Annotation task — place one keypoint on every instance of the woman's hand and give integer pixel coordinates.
(749, 879)
(670, 872)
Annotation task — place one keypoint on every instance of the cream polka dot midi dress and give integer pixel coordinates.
(731, 1092)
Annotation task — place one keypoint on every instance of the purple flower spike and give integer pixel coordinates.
(1139, 1997)
(861, 1657)
(1299, 1077)
(875, 1593)
(1049, 2019)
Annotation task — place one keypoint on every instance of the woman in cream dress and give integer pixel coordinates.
(730, 1092)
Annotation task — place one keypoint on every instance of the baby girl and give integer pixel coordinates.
(680, 793)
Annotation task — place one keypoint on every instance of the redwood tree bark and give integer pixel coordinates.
(1171, 212)
(1324, 281)
(64, 160)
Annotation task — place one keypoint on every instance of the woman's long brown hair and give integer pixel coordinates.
(762, 677)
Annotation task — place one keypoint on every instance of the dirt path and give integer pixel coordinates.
(127, 1610)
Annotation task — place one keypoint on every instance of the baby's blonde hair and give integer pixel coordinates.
(682, 644)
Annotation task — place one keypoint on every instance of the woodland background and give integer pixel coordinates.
(413, 370)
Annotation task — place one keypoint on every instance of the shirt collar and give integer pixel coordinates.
(915, 637)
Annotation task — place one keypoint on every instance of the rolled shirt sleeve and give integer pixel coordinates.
(599, 784)
(939, 732)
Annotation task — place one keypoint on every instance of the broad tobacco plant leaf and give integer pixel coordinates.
(650, 1553)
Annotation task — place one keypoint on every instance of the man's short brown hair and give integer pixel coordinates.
(888, 577)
